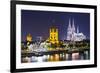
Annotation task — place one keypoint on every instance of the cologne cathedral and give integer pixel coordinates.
(73, 33)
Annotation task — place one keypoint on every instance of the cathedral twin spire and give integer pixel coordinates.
(73, 26)
(71, 31)
(74, 34)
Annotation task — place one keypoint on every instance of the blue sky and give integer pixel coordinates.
(38, 23)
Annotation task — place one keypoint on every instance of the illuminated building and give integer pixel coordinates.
(74, 35)
(29, 38)
(53, 38)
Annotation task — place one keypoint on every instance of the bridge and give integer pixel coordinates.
(41, 53)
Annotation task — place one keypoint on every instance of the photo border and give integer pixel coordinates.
(13, 35)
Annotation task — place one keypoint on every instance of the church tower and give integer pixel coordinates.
(73, 27)
(69, 31)
(73, 31)
(53, 35)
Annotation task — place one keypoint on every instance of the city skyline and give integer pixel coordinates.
(38, 23)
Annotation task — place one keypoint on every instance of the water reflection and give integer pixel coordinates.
(54, 57)
(57, 57)
(75, 56)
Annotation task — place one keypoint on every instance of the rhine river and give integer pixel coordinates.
(57, 57)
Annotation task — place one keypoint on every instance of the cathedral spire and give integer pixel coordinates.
(73, 26)
(69, 30)
(69, 26)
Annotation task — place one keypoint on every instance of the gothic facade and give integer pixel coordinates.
(73, 33)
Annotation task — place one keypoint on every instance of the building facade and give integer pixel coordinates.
(53, 37)
(29, 38)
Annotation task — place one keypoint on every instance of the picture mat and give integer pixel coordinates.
(20, 65)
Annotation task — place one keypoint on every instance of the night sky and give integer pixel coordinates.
(38, 23)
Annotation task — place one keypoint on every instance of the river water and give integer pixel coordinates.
(57, 57)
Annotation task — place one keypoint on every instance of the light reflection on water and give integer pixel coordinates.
(57, 57)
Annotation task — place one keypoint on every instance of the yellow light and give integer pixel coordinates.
(29, 38)
(53, 35)
(57, 57)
